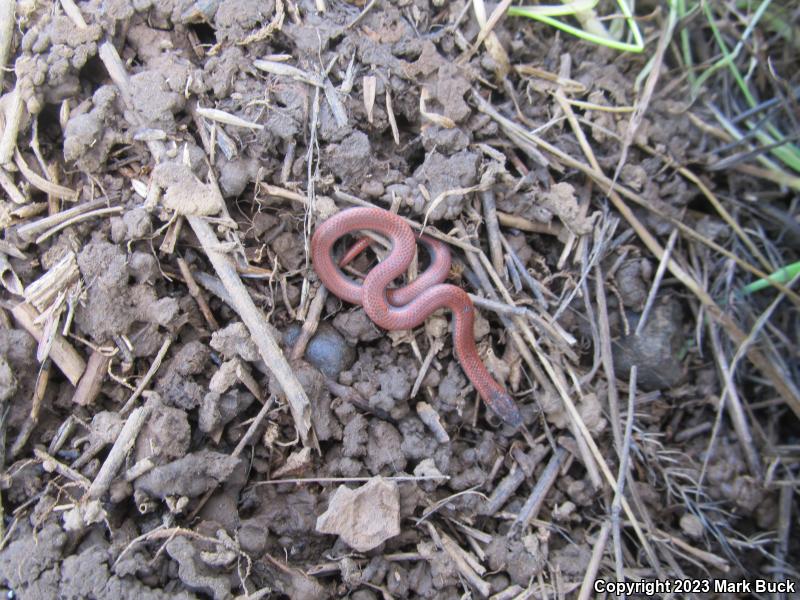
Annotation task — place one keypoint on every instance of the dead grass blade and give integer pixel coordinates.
(785, 388)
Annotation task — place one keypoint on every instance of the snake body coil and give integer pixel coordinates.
(408, 306)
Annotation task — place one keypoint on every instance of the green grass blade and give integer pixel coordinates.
(547, 16)
(782, 275)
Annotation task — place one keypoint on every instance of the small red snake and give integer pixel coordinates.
(408, 306)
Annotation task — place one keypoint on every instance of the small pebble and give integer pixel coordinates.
(656, 351)
(691, 526)
(328, 351)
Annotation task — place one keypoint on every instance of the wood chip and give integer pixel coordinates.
(221, 116)
(61, 351)
(277, 68)
(369, 84)
(88, 387)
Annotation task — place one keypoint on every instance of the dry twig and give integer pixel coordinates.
(116, 456)
(254, 320)
(61, 351)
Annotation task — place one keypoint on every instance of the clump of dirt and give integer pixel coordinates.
(350, 160)
(655, 352)
(90, 135)
(520, 558)
(191, 475)
(112, 305)
(183, 192)
(178, 386)
(52, 52)
(18, 351)
(194, 571)
(166, 436)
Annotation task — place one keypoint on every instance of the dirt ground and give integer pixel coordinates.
(186, 413)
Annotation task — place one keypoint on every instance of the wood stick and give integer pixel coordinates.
(116, 456)
(509, 484)
(651, 295)
(40, 182)
(7, 182)
(61, 352)
(504, 490)
(172, 235)
(430, 417)
(30, 230)
(534, 286)
(89, 386)
(73, 12)
(500, 308)
(7, 23)
(535, 501)
(624, 453)
(12, 250)
(41, 292)
(464, 564)
(607, 357)
(139, 468)
(214, 286)
(587, 587)
(510, 593)
(310, 324)
(42, 380)
(730, 398)
(8, 277)
(489, 37)
(256, 322)
(516, 222)
(100, 212)
(50, 463)
(8, 141)
(197, 294)
(434, 349)
(492, 229)
(162, 352)
(322, 480)
(715, 561)
(361, 15)
(23, 436)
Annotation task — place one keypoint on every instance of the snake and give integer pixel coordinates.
(406, 307)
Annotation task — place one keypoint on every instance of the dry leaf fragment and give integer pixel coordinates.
(560, 200)
(364, 517)
(297, 462)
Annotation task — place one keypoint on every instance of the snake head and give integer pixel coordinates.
(504, 407)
